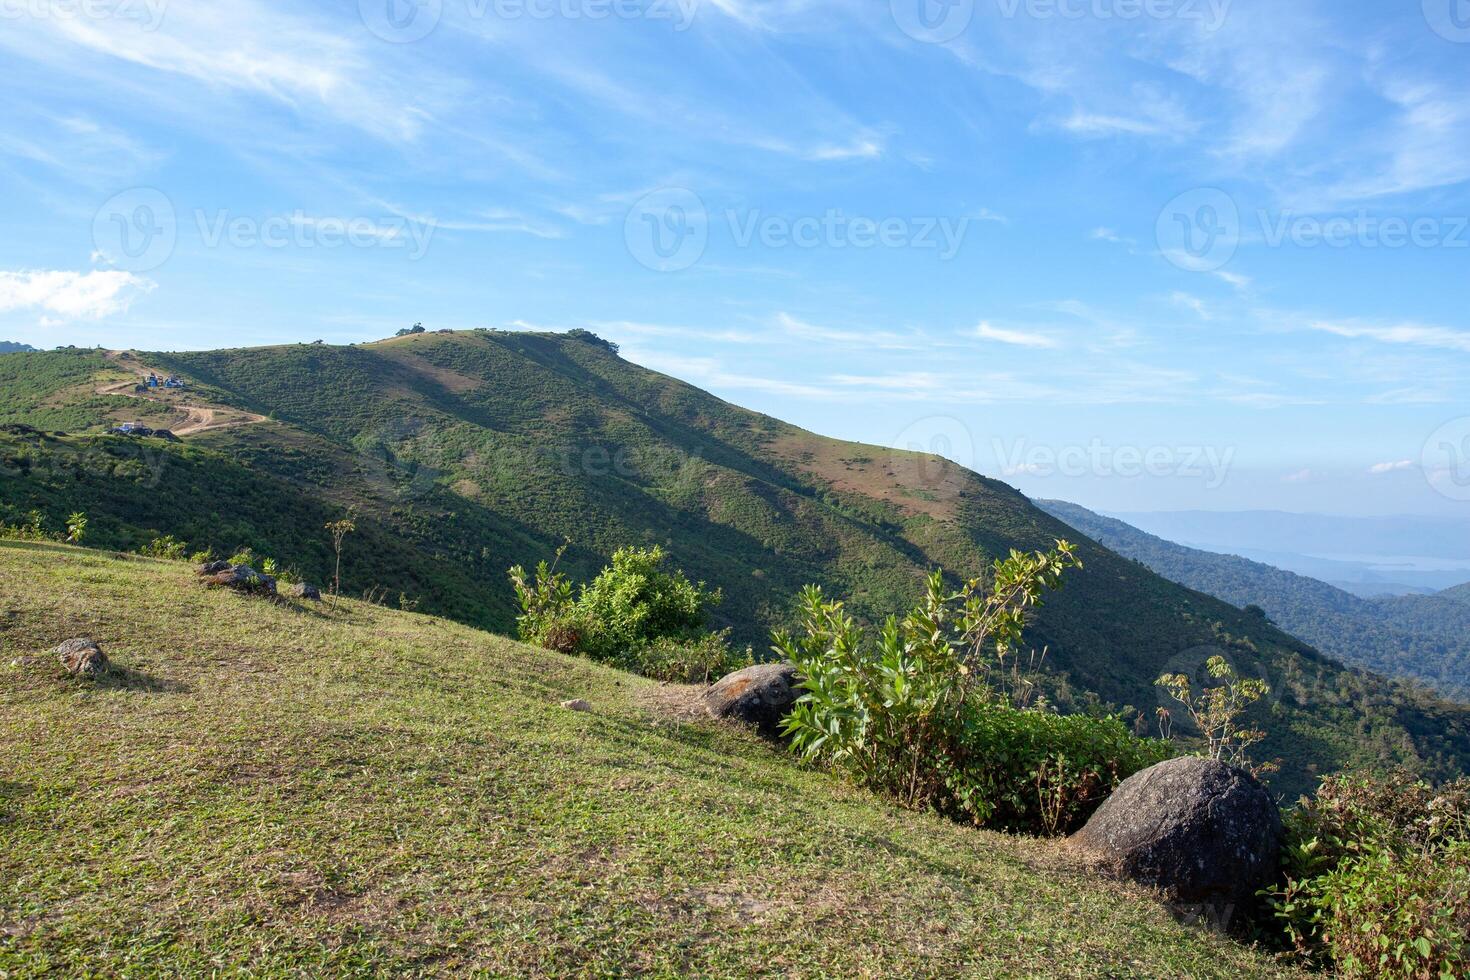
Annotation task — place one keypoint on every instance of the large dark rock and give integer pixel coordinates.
(82, 657)
(243, 578)
(762, 696)
(213, 568)
(1200, 831)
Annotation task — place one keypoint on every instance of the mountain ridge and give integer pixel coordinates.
(1426, 638)
(465, 453)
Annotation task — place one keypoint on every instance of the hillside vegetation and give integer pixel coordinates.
(1426, 638)
(464, 454)
(291, 789)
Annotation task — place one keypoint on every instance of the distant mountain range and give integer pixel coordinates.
(1368, 556)
(11, 347)
(1425, 637)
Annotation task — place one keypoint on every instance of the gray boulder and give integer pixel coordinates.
(304, 590)
(82, 657)
(1202, 832)
(762, 696)
(243, 578)
(213, 568)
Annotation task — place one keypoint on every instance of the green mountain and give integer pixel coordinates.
(463, 453)
(1460, 593)
(11, 347)
(1424, 637)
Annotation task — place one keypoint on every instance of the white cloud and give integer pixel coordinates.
(1300, 476)
(1402, 464)
(1017, 338)
(71, 295)
(1415, 334)
(1191, 303)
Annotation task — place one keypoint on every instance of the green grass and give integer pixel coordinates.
(307, 790)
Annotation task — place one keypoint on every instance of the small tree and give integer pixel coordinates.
(76, 528)
(1217, 711)
(339, 531)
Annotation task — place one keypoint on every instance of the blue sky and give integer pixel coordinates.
(1142, 254)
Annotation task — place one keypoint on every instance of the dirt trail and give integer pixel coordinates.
(197, 417)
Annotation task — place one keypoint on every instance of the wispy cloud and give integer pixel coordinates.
(1414, 334)
(1393, 467)
(1017, 338)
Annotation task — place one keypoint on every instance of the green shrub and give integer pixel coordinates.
(927, 711)
(633, 602)
(33, 529)
(698, 661)
(634, 615)
(1378, 878)
(166, 546)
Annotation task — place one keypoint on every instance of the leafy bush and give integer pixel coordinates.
(924, 712)
(698, 661)
(633, 602)
(33, 529)
(166, 546)
(633, 614)
(1378, 877)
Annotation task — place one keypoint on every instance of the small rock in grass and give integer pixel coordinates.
(304, 590)
(576, 704)
(82, 657)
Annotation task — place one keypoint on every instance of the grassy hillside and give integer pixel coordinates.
(288, 789)
(1426, 638)
(465, 453)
